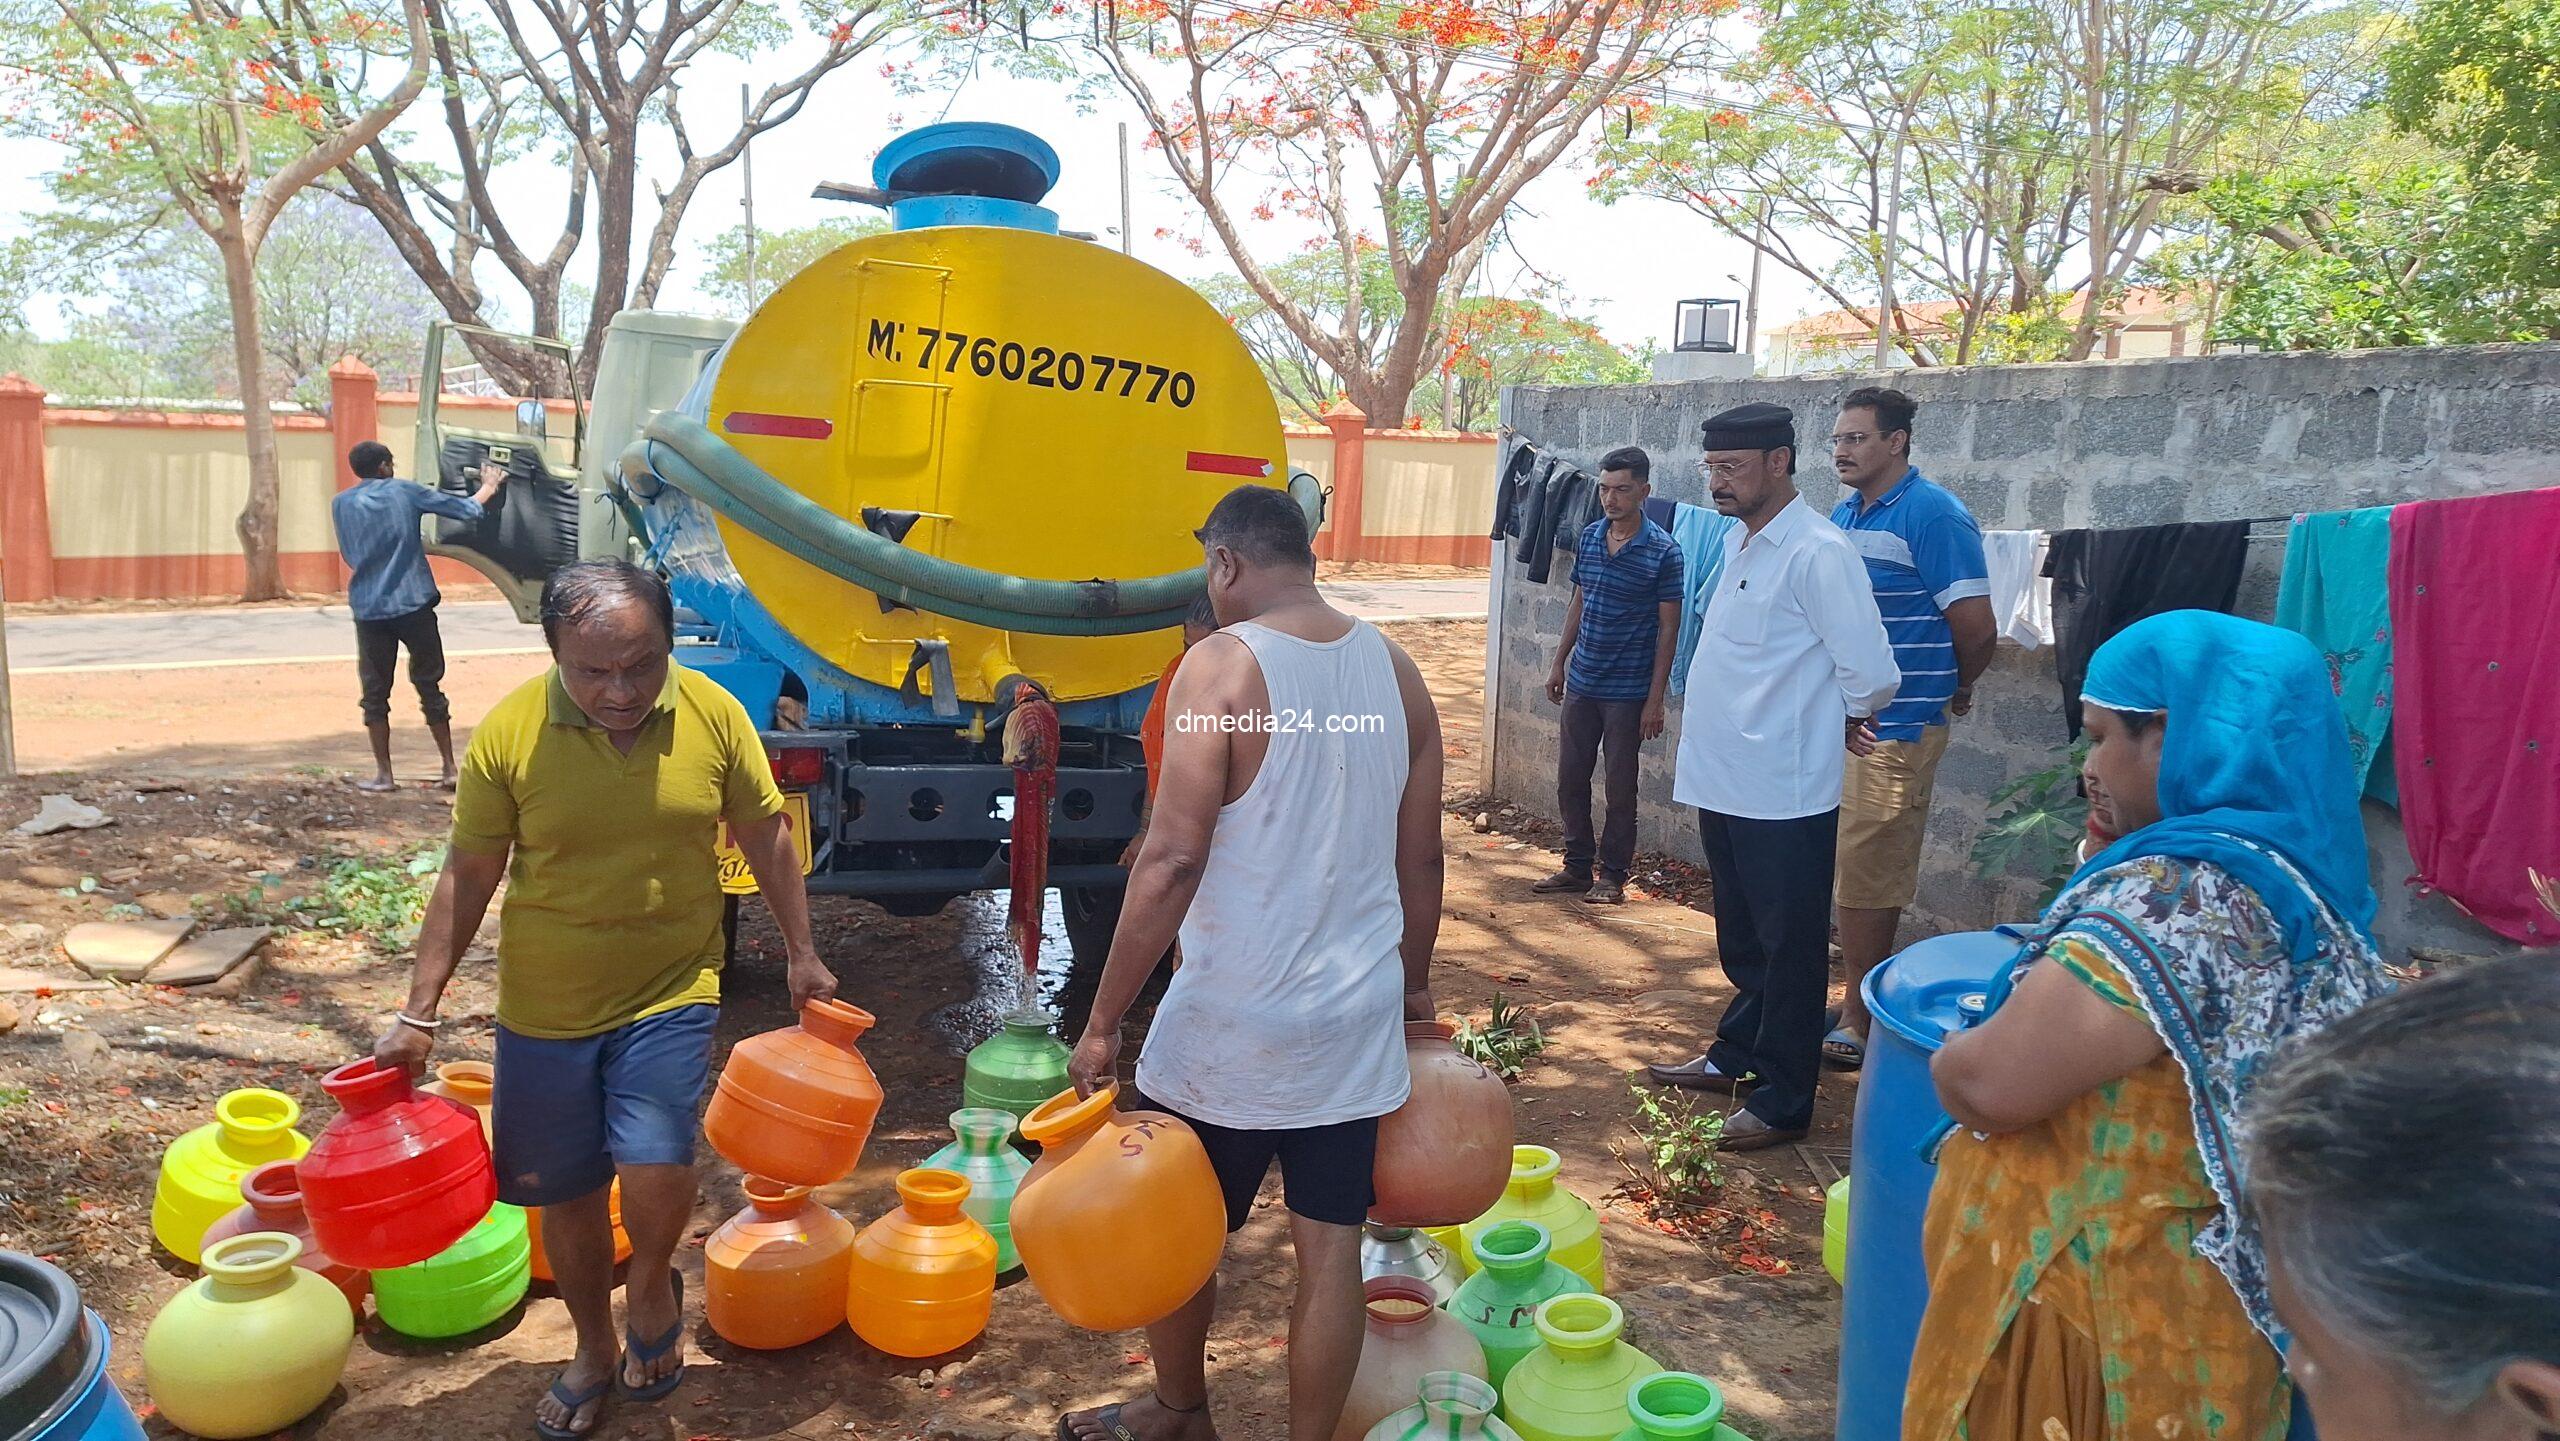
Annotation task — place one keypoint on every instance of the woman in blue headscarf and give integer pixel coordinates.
(2091, 1277)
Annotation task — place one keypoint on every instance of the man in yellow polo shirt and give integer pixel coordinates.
(597, 790)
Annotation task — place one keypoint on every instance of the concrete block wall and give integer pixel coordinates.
(2056, 447)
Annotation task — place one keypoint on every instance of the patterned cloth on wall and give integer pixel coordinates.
(2475, 624)
(2336, 591)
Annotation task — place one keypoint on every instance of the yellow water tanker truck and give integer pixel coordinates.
(940, 462)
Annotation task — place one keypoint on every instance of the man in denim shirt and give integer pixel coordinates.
(394, 596)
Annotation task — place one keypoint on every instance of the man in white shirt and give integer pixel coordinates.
(1792, 668)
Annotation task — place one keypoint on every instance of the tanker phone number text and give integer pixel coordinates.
(945, 351)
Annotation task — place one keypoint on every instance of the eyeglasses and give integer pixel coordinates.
(1854, 437)
(1721, 469)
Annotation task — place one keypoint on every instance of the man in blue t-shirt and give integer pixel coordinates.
(394, 595)
(1924, 556)
(1612, 668)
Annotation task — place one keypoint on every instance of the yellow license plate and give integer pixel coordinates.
(735, 878)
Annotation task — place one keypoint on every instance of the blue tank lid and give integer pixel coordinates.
(1936, 986)
(968, 157)
(45, 1346)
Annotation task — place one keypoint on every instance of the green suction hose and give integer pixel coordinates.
(685, 454)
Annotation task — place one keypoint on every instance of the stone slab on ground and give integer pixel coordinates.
(122, 950)
(20, 979)
(208, 957)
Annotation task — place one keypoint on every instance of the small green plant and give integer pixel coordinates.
(1508, 1040)
(1679, 1143)
(382, 901)
(2035, 824)
(15, 1095)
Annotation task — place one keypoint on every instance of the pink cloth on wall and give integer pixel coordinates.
(2475, 618)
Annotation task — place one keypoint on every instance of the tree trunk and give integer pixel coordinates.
(257, 524)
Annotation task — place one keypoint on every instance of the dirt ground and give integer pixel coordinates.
(94, 1084)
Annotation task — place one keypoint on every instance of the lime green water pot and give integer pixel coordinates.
(464, 1287)
(1500, 1302)
(1017, 1068)
(1573, 1228)
(1677, 1406)
(1574, 1387)
(982, 1151)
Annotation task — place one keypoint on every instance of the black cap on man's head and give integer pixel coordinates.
(1758, 426)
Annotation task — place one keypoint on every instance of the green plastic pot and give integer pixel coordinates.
(1677, 1406)
(982, 1151)
(1017, 1068)
(466, 1286)
(1500, 1302)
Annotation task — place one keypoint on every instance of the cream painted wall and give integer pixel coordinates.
(171, 490)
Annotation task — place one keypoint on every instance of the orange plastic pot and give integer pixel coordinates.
(776, 1274)
(540, 1260)
(1120, 1221)
(922, 1279)
(796, 1105)
(473, 1084)
(1444, 1156)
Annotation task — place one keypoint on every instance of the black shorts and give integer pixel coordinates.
(1327, 1173)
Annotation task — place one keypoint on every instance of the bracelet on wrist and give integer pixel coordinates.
(418, 1024)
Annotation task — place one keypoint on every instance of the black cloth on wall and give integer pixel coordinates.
(1514, 486)
(2105, 580)
(1661, 510)
(1576, 507)
(1537, 531)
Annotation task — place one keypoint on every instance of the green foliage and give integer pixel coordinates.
(780, 254)
(1679, 1142)
(2482, 77)
(1507, 1041)
(2036, 825)
(378, 899)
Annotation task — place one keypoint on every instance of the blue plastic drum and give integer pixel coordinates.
(1917, 998)
(53, 1361)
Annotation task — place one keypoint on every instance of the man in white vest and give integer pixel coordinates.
(1295, 846)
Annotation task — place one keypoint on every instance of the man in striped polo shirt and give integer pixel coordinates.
(1612, 668)
(1924, 556)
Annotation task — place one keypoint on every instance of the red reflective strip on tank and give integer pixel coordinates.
(789, 427)
(1211, 463)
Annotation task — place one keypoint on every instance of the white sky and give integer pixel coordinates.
(1624, 265)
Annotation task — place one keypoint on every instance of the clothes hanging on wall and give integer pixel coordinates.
(1538, 536)
(1577, 505)
(2105, 580)
(2475, 625)
(2336, 592)
(1701, 532)
(1512, 490)
(1661, 511)
(2021, 597)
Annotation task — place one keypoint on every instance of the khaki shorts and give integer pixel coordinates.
(1884, 816)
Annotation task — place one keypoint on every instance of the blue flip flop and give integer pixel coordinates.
(576, 1401)
(1842, 1050)
(648, 1352)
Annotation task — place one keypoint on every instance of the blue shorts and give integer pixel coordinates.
(568, 1112)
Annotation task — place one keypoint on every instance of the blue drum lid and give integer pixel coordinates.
(1921, 994)
(45, 1344)
(968, 158)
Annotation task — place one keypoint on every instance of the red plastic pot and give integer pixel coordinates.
(273, 1194)
(398, 1176)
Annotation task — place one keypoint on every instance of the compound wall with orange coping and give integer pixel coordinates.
(131, 503)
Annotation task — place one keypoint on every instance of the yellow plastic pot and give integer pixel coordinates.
(1533, 1195)
(253, 1347)
(201, 1171)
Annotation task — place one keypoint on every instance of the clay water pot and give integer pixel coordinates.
(774, 1275)
(1444, 1156)
(1121, 1220)
(272, 1201)
(796, 1105)
(922, 1280)
(397, 1177)
(1407, 1338)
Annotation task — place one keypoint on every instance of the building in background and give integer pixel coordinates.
(2147, 324)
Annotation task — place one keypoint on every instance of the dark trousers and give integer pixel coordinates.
(378, 644)
(1773, 931)
(1594, 729)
